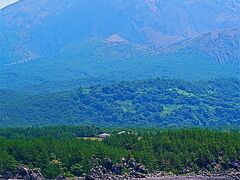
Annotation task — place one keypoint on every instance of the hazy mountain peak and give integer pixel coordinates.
(115, 38)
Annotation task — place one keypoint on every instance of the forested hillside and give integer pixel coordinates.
(164, 103)
(55, 151)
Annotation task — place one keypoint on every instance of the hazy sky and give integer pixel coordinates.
(4, 3)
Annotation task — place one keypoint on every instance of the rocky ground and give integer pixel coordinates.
(128, 169)
(187, 178)
(229, 176)
(23, 172)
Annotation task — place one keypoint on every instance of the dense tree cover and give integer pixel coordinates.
(179, 150)
(65, 132)
(166, 150)
(164, 103)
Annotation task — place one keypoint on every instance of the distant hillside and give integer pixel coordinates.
(164, 103)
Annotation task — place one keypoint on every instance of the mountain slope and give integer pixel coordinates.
(100, 62)
(222, 46)
(39, 24)
(51, 44)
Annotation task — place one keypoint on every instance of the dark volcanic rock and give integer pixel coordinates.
(25, 173)
(142, 169)
(117, 169)
(89, 177)
(235, 164)
(107, 170)
(107, 163)
(61, 177)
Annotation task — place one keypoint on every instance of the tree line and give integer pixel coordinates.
(61, 150)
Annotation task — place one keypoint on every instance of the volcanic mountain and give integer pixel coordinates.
(55, 41)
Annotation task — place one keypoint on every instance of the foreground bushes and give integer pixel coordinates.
(168, 150)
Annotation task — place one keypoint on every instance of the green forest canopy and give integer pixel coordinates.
(59, 150)
(156, 102)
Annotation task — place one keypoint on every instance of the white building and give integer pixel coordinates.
(104, 135)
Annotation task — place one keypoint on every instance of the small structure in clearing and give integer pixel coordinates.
(104, 135)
